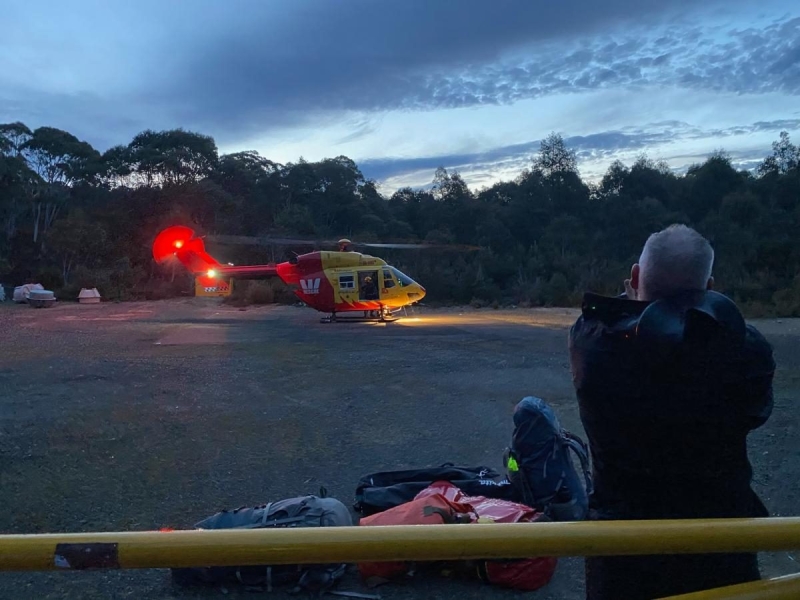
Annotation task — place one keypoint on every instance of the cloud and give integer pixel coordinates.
(755, 61)
(237, 73)
(425, 56)
(362, 129)
(287, 71)
(597, 150)
(74, 112)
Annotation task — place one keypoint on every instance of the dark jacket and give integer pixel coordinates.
(668, 392)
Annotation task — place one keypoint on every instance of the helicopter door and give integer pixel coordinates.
(388, 280)
(368, 286)
(347, 287)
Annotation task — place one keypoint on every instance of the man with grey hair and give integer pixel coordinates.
(674, 260)
(670, 380)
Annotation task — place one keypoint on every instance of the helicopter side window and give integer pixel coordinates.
(402, 279)
(388, 282)
(347, 282)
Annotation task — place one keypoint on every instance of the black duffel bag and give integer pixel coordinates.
(384, 490)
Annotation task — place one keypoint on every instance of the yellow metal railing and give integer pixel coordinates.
(154, 549)
(779, 588)
(158, 549)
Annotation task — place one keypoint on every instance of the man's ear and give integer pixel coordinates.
(710, 284)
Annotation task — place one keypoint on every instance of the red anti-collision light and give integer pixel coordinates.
(172, 238)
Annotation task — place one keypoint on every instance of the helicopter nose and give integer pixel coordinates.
(415, 292)
(418, 293)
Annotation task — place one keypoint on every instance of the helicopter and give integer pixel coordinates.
(332, 282)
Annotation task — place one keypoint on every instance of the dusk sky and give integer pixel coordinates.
(405, 86)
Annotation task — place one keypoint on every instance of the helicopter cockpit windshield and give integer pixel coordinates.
(402, 279)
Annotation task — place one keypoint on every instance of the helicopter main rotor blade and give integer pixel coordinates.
(266, 241)
(422, 246)
(390, 245)
(247, 240)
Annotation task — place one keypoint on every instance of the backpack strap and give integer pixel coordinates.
(267, 522)
(578, 446)
(353, 594)
(270, 523)
(319, 579)
(523, 483)
(257, 585)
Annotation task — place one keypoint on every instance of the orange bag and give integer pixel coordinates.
(444, 503)
(432, 509)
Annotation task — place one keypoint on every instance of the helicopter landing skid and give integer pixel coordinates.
(371, 316)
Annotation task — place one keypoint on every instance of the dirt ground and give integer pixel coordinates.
(145, 415)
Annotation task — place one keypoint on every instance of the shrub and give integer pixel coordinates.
(260, 293)
(247, 293)
(557, 292)
(477, 303)
(50, 278)
(158, 289)
(282, 293)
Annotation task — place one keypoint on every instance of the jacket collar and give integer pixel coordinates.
(687, 317)
(610, 309)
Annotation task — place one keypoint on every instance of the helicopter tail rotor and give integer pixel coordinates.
(180, 242)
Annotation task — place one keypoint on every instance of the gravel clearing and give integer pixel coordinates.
(137, 416)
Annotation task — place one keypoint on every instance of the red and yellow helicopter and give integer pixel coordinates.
(332, 282)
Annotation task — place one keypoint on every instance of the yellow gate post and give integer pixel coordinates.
(154, 549)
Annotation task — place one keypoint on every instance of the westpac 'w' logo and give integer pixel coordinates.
(310, 286)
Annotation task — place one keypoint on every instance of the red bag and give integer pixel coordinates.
(496, 510)
(443, 503)
(433, 509)
(526, 574)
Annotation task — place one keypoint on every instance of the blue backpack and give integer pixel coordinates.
(539, 463)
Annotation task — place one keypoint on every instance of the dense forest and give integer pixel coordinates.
(73, 217)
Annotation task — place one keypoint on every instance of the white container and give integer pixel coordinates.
(23, 292)
(41, 298)
(89, 296)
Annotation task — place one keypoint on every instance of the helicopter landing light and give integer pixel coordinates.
(211, 273)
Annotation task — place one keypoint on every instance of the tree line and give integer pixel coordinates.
(74, 217)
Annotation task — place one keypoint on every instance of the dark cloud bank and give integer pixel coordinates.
(265, 66)
(325, 58)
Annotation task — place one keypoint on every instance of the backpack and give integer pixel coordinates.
(444, 503)
(539, 463)
(381, 491)
(303, 511)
